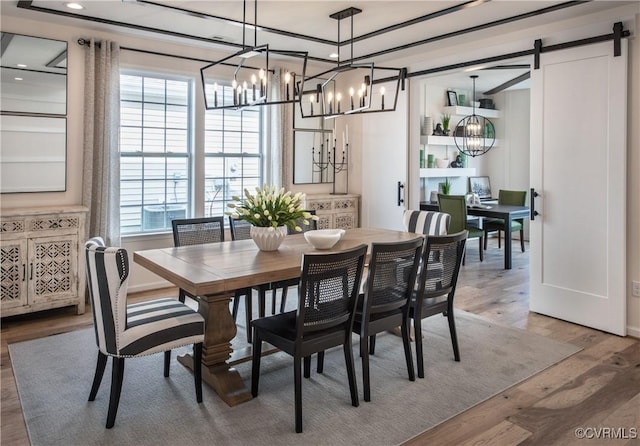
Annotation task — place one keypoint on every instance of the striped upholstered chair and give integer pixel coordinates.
(132, 330)
(426, 222)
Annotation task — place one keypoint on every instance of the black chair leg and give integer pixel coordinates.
(167, 362)
(297, 379)
(454, 337)
(236, 305)
(364, 352)
(481, 250)
(261, 302)
(307, 366)
(116, 386)
(351, 372)
(417, 330)
(273, 300)
(522, 240)
(97, 377)
(248, 308)
(283, 299)
(255, 364)
(372, 344)
(320, 360)
(197, 370)
(499, 239)
(407, 350)
(486, 237)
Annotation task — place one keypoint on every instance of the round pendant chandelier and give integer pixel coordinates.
(474, 135)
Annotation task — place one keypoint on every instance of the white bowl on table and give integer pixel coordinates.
(323, 238)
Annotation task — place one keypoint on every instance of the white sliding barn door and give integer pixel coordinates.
(384, 164)
(578, 155)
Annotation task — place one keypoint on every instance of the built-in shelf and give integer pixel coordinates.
(448, 172)
(457, 110)
(441, 140)
(437, 140)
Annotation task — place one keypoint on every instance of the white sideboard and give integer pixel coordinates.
(334, 211)
(41, 254)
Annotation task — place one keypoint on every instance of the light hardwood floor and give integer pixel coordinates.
(599, 387)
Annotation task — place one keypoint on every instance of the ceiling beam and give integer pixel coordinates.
(509, 83)
(415, 21)
(459, 32)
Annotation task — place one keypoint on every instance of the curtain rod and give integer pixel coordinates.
(83, 42)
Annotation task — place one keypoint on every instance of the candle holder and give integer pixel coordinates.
(340, 165)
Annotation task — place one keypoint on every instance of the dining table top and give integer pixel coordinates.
(491, 210)
(218, 268)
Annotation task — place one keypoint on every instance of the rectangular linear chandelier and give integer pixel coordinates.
(244, 79)
(350, 87)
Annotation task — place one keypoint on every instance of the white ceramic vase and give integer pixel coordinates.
(268, 239)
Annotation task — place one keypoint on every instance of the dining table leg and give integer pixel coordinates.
(220, 329)
(507, 243)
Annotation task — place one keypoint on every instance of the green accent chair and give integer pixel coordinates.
(508, 197)
(456, 206)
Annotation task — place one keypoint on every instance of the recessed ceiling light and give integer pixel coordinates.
(334, 55)
(74, 6)
(21, 65)
(18, 78)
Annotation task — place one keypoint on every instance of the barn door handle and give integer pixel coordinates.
(400, 193)
(532, 198)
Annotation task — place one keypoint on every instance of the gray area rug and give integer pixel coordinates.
(54, 377)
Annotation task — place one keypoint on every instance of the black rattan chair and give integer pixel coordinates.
(386, 301)
(437, 281)
(240, 230)
(328, 295)
(195, 231)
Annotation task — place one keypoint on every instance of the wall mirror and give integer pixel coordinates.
(311, 156)
(311, 140)
(33, 103)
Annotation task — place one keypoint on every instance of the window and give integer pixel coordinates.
(155, 145)
(158, 175)
(233, 155)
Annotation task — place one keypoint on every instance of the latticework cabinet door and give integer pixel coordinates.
(53, 268)
(346, 220)
(13, 257)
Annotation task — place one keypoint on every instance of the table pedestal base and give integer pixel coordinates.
(225, 380)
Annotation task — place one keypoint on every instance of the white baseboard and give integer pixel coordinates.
(633, 331)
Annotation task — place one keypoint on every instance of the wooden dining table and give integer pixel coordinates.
(504, 212)
(214, 271)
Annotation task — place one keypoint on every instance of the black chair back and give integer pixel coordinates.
(392, 274)
(240, 229)
(196, 231)
(329, 289)
(441, 262)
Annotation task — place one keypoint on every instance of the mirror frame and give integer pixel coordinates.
(18, 132)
